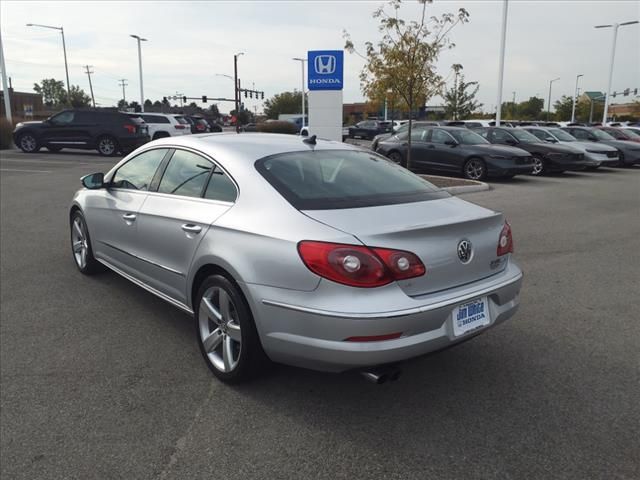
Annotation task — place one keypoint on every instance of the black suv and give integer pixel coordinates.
(109, 132)
(368, 129)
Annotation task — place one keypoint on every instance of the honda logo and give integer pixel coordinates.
(325, 64)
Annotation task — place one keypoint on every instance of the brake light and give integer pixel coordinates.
(374, 338)
(359, 266)
(505, 241)
(179, 127)
(199, 127)
(130, 128)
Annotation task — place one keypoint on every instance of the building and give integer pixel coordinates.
(631, 109)
(591, 97)
(24, 105)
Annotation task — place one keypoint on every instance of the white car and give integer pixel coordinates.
(164, 125)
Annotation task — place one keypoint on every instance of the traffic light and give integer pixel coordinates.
(245, 94)
(614, 94)
(635, 91)
(184, 99)
(626, 92)
(204, 99)
(251, 94)
(262, 93)
(164, 99)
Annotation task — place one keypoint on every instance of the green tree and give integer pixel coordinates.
(78, 98)
(530, 109)
(213, 110)
(563, 107)
(244, 117)
(404, 58)
(148, 104)
(53, 92)
(459, 101)
(285, 102)
(122, 105)
(135, 106)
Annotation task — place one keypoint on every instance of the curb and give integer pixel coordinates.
(473, 185)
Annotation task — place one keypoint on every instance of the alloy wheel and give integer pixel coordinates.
(474, 169)
(28, 143)
(219, 329)
(538, 166)
(79, 243)
(106, 146)
(395, 157)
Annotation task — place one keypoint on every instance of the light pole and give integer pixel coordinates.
(503, 38)
(613, 54)
(237, 95)
(302, 60)
(549, 104)
(64, 50)
(5, 90)
(513, 107)
(575, 99)
(139, 39)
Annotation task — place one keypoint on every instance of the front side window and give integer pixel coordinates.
(138, 172)
(601, 134)
(468, 138)
(333, 179)
(580, 134)
(185, 175)
(63, 118)
(440, 136)
(561, 135)
(615, 133)
(502, 136)
(524, 136)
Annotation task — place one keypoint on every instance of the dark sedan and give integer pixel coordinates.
(629, 151)
(547, 157)
(621, 134)
(403, 128)
(369, 128)
(456, 150)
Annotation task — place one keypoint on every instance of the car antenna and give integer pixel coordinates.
(310, 140)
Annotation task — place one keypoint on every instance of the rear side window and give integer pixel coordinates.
(331, 179)
(220, 187)
(63, 118)
(138, 172)
(155, 119)
(185, 175)
(181, 120)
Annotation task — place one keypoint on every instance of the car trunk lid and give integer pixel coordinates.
(433, 231)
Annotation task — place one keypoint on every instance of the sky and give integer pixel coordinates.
(191, 44)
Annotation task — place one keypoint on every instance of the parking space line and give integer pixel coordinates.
(22, 170)
(53, 162)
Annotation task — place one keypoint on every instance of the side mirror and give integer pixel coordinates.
(93, 181)
(551, 140)
(451, 143)
(510, 141)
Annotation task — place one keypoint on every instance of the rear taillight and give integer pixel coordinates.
(130, 128)
(505, 241)
(180, 127)
(359, 266)
(200, 128)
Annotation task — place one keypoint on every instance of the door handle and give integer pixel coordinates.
(129, 217)
(190, 228)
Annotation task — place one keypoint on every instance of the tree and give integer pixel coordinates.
(52, 91)
(135, 106)
(213, 110)
(459, 101)
(563, 107)
(244, 117)
(404, 59)
(285, 102)
(122, 105)
(530, 109)
(78, 98)
(148, 104)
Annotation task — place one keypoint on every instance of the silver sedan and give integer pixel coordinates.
(305, 252)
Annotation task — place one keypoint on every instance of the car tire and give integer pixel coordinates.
(28, 143)
(54, 149)
(539, 166)
(81, 245)
(107, 146)
(229, 342)
(397, 157)
(474, 169)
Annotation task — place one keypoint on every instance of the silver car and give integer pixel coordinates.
(300, 251)
(595, 155)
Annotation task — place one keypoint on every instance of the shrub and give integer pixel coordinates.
(278, 127)
(6, 129)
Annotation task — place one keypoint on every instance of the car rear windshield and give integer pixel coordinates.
(602, 135)
(561, 135)
(332, 179)
(182, 120)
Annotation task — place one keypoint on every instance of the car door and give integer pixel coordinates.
(58, 130)
(419, 147)
(191, 194)
(440, 154)
(112, 213)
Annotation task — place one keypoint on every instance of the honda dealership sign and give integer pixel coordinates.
(325, 69)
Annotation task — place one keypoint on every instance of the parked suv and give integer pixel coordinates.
(628, 152)
(109, 132)
(369, 128)
(161, 125)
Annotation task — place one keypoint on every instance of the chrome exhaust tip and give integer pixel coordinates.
(382, 374)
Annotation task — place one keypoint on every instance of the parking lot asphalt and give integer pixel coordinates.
(100, 379)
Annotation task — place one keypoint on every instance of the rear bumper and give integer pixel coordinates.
(131, 143)
(311, 337)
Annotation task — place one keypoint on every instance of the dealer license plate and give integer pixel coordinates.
(471, 315)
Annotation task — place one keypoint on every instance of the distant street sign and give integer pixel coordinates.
(325, 69)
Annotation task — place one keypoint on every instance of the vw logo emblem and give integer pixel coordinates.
(464, 251)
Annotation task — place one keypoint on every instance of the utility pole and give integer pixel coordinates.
(513, 107)
(549, 104)
(121, 83)
(139, 40)
(503, 37)
(93, 100)
(236, 84)
(575, 99)
(5, 90)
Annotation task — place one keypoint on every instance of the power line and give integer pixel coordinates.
(90, 86)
